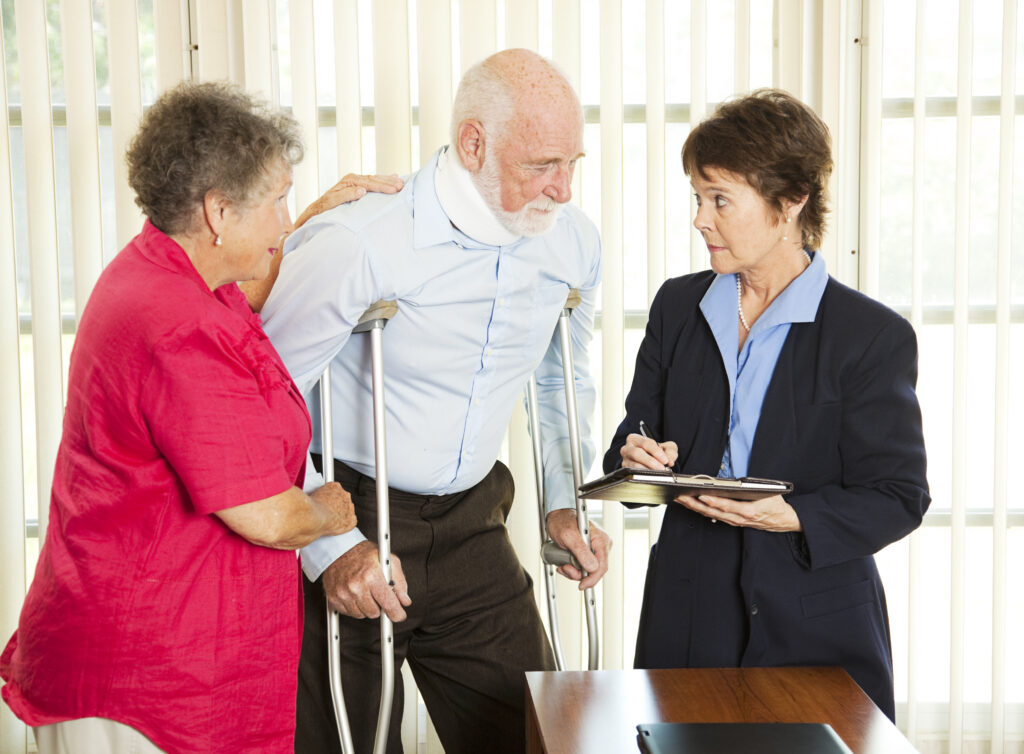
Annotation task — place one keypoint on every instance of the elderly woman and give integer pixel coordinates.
(166, 606)
(766, 366)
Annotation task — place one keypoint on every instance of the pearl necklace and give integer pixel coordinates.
(739, 294)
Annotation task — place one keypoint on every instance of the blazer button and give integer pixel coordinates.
(753, 609)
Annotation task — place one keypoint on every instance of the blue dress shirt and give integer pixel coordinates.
(750, 369)
(473, 322)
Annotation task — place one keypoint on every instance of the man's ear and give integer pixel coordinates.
(470, 144)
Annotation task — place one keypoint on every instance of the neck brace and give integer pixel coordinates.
(463, 204)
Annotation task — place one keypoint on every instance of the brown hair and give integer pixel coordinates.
(202, 137)
(777, 144)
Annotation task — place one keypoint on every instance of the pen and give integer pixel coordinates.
(645, 431)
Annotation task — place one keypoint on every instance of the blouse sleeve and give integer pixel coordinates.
(208, 406)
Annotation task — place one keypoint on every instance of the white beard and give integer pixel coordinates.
(527, 221)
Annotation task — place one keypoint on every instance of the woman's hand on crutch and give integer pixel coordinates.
(564, 530)
(355, 585)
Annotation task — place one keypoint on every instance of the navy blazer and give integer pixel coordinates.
(841, 421)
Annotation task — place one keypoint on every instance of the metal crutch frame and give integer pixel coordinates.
(373, 321)
(551, 553)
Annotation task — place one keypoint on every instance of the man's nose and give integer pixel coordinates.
(560, 187)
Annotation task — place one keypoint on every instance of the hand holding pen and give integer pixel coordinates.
(642, 451)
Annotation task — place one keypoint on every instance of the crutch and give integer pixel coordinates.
(551, 554)
(373, 321)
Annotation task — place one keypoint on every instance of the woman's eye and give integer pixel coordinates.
(720, 201)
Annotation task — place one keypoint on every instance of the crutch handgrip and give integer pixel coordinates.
(554, 555)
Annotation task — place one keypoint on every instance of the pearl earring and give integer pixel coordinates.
(785, 237)
(217, 241)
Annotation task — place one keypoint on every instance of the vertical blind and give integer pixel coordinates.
(927, 202)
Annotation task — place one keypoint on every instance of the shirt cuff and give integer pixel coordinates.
(558, 492)
(318, 555)
(313, 480)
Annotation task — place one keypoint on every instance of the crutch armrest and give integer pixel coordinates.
(379, 311)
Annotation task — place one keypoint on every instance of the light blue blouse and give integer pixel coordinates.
(750, 370)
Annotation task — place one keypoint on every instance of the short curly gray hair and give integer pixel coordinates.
(202, 137)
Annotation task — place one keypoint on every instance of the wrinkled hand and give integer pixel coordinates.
(641, 452)
(339, 513)
(355, 585)
(768, 514)
(564, 530)
(348, 189)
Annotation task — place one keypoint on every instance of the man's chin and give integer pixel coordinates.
(534, 223)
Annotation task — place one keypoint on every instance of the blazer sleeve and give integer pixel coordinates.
(882, 494)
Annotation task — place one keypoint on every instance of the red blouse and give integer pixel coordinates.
(145, 608)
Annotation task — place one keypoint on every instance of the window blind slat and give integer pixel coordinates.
(961, 249)
(612, 304)
(83, 147)
(12, 489)
(871, 129)
(521, 28)
(916, 318)
(789, 54)
(125, 107)
(434, 19)
(566, 51)
(741, 46)
(392, 109)
(212, 36)
(478, 31)
(655, 125)
(349, 130)
(656, 264)
(830, 52)
(306, 174)
(173, 57)
(698, 110)
(256, 41)
(37, 134)
(1004, 292)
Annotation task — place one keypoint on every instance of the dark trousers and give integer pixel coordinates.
(472, 630)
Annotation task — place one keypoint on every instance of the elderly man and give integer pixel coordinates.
(479, 250)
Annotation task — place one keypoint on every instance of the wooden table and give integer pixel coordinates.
(571, 712)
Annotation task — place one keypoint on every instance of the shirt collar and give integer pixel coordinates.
(433, 225)
(798, 302)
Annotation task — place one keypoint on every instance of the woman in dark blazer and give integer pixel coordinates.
(765, 366)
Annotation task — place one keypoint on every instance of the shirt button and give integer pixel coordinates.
(753, 609)
(476, 401)
(488, 351)
(501, 302)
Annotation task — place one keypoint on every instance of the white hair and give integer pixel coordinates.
(484, 95)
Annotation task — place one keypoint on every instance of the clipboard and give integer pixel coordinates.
(657, 486)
